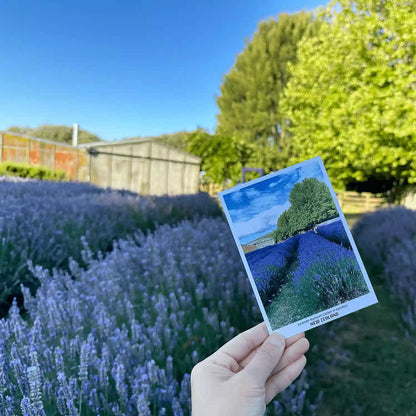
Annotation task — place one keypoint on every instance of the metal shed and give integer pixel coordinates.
(145, 166)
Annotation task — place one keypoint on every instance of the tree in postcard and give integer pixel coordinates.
(310, 203)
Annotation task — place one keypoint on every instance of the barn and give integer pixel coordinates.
(144, 165)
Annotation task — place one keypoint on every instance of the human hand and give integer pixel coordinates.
(246, 373)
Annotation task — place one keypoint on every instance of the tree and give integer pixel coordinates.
(310, 203)
(351, 96)
(283, 226)
(62, 134)
(222, 157)
(178, 139)
(249, 102)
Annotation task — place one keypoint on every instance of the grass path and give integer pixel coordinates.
(372, 366)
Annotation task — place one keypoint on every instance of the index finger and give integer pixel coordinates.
(241, 345)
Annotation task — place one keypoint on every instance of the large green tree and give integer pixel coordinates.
(222, 156)
(62, 134)
(310, 203)
(249, 102)
(351, 97)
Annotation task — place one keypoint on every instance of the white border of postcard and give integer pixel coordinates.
(327, 315)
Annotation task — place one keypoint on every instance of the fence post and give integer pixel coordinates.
(367, 202)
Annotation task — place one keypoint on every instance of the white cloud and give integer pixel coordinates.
(260, 222)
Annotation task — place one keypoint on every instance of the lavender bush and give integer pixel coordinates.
(335, 232)
(49, 222)
(121, 335)
(375, 232)
(323, 275)
(392, 231)
(268, 266)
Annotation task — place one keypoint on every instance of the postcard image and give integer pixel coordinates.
(297, 249)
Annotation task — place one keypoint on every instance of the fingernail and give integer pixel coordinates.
(276, 339)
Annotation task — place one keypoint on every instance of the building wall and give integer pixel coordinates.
(145, 167)
(37, 152)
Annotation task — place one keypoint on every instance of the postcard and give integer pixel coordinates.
(297, 249)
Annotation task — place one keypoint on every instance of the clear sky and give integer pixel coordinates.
(255, 209)
(123, 68)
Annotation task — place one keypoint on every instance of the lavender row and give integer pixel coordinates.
(334, 232)
(121, 336)
(327, 273)
(49, 222)
(269, 263)
(386, 240)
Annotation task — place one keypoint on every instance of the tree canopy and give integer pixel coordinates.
(62, 134)
(249, 102)
(310, 203)
(222, 156)
(351, 97)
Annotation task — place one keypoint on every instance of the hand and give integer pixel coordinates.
(246, 373)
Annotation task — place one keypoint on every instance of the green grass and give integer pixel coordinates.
(377, 376)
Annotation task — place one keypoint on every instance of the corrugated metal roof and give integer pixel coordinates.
(137, 140)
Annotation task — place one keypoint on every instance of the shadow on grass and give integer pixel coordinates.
(363, 363)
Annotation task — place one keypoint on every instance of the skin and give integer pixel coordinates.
(246, 373)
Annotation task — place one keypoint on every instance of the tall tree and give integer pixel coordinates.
(222, 156)
(250, 93)
(351, 97)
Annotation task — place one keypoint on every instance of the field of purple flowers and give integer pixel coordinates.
(118, 333)
(387, 241)
(306, 274)
(335, 232)
(49, 223)
(269, 267)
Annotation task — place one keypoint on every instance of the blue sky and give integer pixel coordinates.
(123, 68)
(255, 209)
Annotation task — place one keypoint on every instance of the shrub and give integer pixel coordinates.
(335, 232)
(375, 232)
(23, 170)
(387, 241)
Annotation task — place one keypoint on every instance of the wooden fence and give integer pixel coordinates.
(351, 202)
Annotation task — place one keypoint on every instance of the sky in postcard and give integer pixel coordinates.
(256, 208)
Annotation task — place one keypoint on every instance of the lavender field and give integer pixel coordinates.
(306, 274)
(131, 292)
(118, 333)
(50, 223)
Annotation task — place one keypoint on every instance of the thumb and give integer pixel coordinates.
(266, 358)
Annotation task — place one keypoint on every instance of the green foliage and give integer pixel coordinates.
(250, 94)
(222, 156)
(311, 203)
(61, 134)
(23, 170)
(351, 96)
(178, 139)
